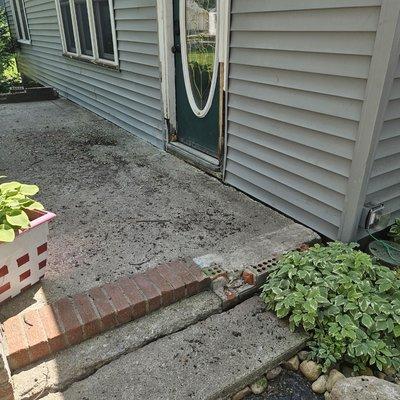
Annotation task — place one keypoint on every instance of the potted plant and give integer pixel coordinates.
(23, 238)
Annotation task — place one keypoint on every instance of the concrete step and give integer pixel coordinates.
(80, 361)
(211, 359)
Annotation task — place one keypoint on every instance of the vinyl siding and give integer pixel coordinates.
(130, 97)
(297, 78)
(384, 184)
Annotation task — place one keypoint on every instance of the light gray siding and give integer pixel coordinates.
(384, 184)
(130, 97)
(297, 78)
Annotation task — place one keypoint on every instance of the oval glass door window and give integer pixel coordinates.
(199, 45)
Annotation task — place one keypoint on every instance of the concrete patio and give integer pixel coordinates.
(122, 205)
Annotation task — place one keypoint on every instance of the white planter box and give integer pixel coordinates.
(22, 262)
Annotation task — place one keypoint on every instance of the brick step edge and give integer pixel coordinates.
(39, 333)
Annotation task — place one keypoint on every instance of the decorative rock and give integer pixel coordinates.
(242, 394)
(303, 355)
(365, 388)
(327, 396)
(292, 364)
(273, 373)
(260, 386)
(333, 377)
(319, 386)
(381, 375)
(311, 370)
(366, 372)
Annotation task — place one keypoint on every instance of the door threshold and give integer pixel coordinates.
(197, 158)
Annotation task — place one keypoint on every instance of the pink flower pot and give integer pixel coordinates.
(22, 262)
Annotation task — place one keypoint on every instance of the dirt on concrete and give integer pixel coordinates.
(122, 205)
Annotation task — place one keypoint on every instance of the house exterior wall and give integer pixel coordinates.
(129, 97)
(298, 77)
(384, 183)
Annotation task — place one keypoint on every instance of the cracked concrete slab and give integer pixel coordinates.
(78, 362)
(122, 205)
(206, 361)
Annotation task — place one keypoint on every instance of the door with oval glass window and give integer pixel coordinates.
(197, 74)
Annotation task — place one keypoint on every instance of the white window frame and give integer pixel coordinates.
(95, 58)
(20, 14)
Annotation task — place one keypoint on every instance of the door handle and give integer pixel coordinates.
(176, 48)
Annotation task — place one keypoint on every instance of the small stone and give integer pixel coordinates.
(319, 386)
(366, 372)
(292, 364)
(242, 394)
(381, 375)
(303, 355)
(260, 386)
(311, 370)
(333, 377)
(273, 373)
(327, 396)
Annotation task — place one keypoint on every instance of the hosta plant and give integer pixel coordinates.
(349, 305)
(15, 200)
(394, 231)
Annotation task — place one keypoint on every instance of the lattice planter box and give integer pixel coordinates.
(22, 262)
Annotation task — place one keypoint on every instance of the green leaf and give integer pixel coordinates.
(29, 190)
(18, 218)
(367, 321)
(7, 233)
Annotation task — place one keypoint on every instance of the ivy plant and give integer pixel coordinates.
(394, 231)
(15, 200)
(348, 304)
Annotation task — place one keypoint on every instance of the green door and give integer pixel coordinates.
(197, 75)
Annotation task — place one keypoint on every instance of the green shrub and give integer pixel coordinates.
(349, 305)
(14, 201)
(394, 231)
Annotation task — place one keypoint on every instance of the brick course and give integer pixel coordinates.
(37, 334)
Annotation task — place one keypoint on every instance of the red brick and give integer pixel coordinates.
(201, 278)
(191, 285)
(42, 264)
(5, 287)
(151, 292)
(104, 307)
(25, 275)
(6, 391)
(53, 328)
(23, 260)
(120, 302)
(3, 271)
(41, 249)
(17, 343)
(248, 277)
(168, 273)
(91, 319)
(69, 321)
(167, 291)
(135, 296)
(37, 339)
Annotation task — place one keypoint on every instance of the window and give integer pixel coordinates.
(88, 30)
(20, 20)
